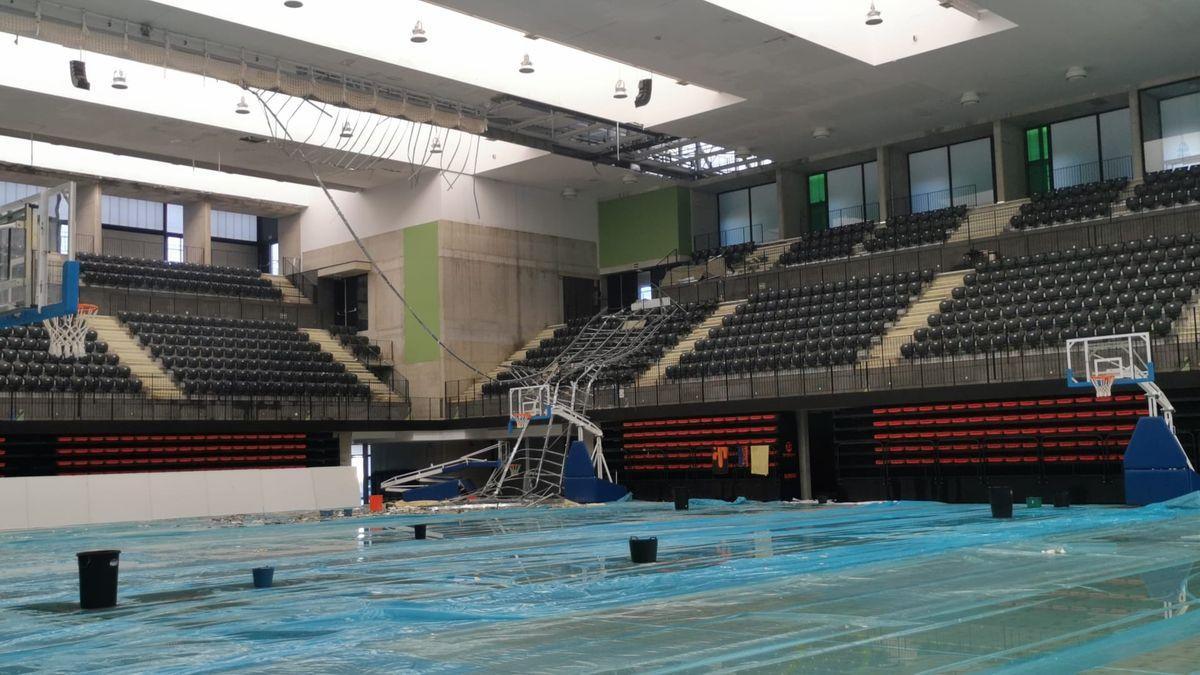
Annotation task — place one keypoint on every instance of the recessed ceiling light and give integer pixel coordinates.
(526, 65)
(821, 133)
(874, 18)
(569, 193)
(1076, 73)
(969, 98)
(619, 92)
(118, 81)
(418, 34)
(293, 4)
(242, 107)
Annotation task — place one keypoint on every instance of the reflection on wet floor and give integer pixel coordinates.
(902, 586)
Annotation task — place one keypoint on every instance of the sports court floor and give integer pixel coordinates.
(902, 587)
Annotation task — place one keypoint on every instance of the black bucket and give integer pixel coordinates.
(643, 549)
(418, 531)
(1062, 499)
(1002, 502)
(680, 495)
(98, 578)
(263, 576)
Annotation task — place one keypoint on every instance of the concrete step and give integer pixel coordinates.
(887, 349)
(329, 343)
(291, 294)
(156, 382)
(658, 372)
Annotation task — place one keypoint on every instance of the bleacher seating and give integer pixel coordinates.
(733, 254)
(142, 273)
(359, 345)
(1068, 204)
(241, 356)
(26, 365)
(1166, 188)
(825, 324)
(835, 242)
(916, 229)
(1041, 301)
(670, 328)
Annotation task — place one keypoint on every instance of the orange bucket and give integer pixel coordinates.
(376, 503)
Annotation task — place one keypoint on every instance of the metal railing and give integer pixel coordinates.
(729, 237)
(1090, 172)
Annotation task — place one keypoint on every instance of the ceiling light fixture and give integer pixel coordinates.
(242, 107)
(347, 131)
(118, 81)
(526, 65)
(619, 92)
(569, 193)
(969, 98)
(874, 18)
(418, 34)
(435, 148)
(1075, 73)
(293, 4)
(821, 133)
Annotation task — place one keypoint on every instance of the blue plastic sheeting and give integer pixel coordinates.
(905, 587)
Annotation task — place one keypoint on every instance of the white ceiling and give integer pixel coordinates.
(790, 85)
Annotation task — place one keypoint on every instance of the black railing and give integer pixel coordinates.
(962, 195)
(1090, 172)
(729, 237)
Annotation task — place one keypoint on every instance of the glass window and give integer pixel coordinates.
(11, 192)
(274, 258)
(733, 216)
(174, 218)
(1075, 150)
(929, 179)
(764, 212)
(1116, 144)
(135, 213)
(235, 226)
(818, 211)
(174, 249)
(971, 173)
(845, 195)
(1180, 118)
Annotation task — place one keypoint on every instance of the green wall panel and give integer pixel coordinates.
(422, 288)
(645, 227)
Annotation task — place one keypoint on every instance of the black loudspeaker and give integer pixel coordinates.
(79, 75)
(643, 96)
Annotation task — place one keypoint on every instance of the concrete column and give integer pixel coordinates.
(197, 232)
(802, 452)
(883, 156)
(345, 440)
(1008, 145)
(87, 231)
(1135, 136)
(896, 184)
(289, 242)
(792, 193)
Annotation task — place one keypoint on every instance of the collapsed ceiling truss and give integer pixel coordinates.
(507, 118)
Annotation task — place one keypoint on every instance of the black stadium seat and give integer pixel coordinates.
(1069, 204)
(219, 356)
(26, 365)
(157, 275)
(916, 229)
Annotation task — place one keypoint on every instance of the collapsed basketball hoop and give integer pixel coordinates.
(68, 333)
(521, 420)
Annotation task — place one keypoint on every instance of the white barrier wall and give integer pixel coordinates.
(57, 501)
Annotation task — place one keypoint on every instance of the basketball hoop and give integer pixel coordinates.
(521, 419)
(1103, 382)
(68, 333)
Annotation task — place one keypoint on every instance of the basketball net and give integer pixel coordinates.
(68, 333)
(1103, 382)
(521, 419)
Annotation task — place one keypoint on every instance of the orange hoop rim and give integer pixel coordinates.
(86, 308)
(1104, 377)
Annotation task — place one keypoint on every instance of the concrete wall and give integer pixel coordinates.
(642, 228)
(133, 244)
(230, 254)
(58, 501)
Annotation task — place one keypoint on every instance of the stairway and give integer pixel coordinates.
(291, 294)
(887, 350)
(156, 383)
(329, 343)
(657, 373)
(771, 251)
(985, 221)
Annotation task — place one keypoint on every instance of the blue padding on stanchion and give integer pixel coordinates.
(580, 484)
(1156, 468)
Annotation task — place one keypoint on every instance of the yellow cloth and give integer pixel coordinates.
(760, 459)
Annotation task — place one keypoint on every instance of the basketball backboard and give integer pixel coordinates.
(39, 278)
(1109, 359)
